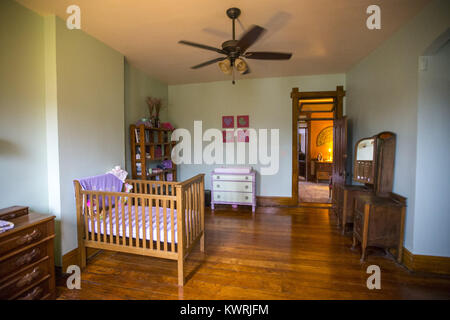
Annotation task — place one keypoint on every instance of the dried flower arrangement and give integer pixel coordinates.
(154, 104)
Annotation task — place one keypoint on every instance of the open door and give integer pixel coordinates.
(339, 152)
(300, 106)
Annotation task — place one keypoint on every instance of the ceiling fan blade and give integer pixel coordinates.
(268, 55)
(250, 37)
(208, 62)
(202, 46)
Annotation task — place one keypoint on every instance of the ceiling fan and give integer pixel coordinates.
(235, 50)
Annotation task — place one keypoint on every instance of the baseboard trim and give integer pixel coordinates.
(71, 257)
(263, 201)
(428, 264)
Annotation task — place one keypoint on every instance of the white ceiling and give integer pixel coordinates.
(325, 36)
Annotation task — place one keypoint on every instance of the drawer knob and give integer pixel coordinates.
(28, 257)
(246, 197)
(29, 277)
(33, 294)
(218, 177)
(246, 178)
(246, 187)
(218, 186)
(218, 196)
(29, 237)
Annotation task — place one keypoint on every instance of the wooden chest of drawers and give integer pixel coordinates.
(323, 170)
(27, 269)
(234, 189)
(379, 222)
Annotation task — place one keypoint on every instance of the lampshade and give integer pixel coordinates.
(225, 66)
(241, 65)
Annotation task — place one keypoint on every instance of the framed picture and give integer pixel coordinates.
(228, 136)
(227, 121)
(243, 121)
(243, 136)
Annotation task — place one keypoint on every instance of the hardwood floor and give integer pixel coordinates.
(281, 253)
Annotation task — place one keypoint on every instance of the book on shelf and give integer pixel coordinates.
(137, 135)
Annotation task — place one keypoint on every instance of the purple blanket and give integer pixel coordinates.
(105, 182)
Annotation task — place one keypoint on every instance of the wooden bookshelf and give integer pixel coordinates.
(158, 147)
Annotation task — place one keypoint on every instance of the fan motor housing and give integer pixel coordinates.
(230, 46)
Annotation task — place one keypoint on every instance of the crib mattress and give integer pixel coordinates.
(155, 228)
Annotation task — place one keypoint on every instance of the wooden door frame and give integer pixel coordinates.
(296, 95)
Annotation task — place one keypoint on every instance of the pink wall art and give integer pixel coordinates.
(228, 122)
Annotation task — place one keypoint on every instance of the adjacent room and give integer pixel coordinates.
(225, 150)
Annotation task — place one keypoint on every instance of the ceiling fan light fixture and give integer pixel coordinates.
(241, 65)
(235, 48)
(225, 66)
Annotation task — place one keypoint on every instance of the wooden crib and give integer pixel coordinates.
(168, 220)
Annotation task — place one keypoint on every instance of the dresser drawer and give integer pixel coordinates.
(233, 197)
(240, 186)
(38, 292)
(23, 238)
(23, 259)
(233, 177)
(24, 278)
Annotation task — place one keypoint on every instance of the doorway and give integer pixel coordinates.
(316, 118)
(315, 152)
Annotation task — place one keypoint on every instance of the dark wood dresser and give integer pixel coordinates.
(379, 222)
(27, 267)
(323, 170)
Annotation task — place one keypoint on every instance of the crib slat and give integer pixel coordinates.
(130, 225)
(124, 232)
(85, 211)
(112, 198)
(116, 216)
(194, 212)
(96, 217)
(196, 193)
(104, 218)
(172, 227)
(91, 220)
(199, 227)
(188, 219)
(150, 220)
(136, 222)
(165, 223)
(190, 215)
(144, 229)
(158, 225)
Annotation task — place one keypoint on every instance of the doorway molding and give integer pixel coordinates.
(296, 95)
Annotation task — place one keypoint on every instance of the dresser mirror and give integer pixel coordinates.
(364, 150)
(365, 161)
(374, 162)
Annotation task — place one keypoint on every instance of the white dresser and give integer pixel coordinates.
(235, 186)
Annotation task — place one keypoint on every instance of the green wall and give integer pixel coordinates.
(268, 103)
(139, 86)
(90, 93)
(383, 95)
(23, 163)
(62, 114)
